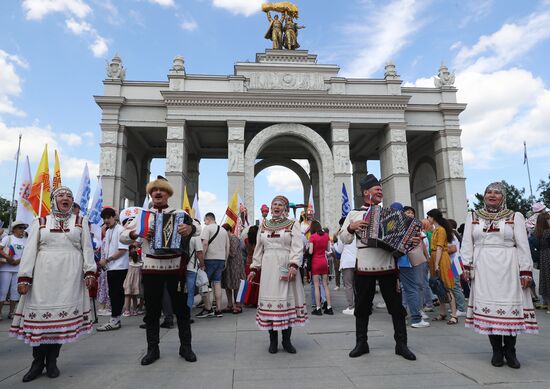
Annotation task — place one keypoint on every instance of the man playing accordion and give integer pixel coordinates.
(160, 268)
(373, 264)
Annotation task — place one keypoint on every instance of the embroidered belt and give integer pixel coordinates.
(169, 256)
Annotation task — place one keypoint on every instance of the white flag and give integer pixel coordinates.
(196, 210)
(83, 195)
(95, 213)
(146, 202)
(24, 207)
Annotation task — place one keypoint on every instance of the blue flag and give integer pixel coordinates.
(346, 207)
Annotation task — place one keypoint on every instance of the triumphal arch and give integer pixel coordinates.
(284, 106)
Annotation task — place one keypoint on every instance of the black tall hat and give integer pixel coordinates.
(368, 182)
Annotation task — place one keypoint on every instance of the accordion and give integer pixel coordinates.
(389, 229)
(166, 238)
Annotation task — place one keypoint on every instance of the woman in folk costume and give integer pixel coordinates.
(281, 303)
(57, 264)
(498, 262)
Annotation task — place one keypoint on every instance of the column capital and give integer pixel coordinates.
(339, 125)
(176, 122)
(236, 124)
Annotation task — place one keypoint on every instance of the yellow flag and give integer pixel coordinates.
(56, 173)
(40, 189)
(232, 211)
(186, 204)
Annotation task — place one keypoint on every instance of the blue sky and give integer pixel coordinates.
(53, 55)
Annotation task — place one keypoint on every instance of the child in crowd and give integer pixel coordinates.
(132, 283)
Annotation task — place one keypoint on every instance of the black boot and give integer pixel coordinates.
(510, 352)
(273, 342)
(37, 366)
(153, 352)
(184, 332)
(400, 336)
(361, 345)
(52, 352)
(287, 346)
(498, 356)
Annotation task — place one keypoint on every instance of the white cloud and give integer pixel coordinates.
(72, 167)
(243, 7)
(189, 25)
(209, 202)
(99, 45)
(477, 10)
(163, 3)
(71, 139)
(510, 42)
(10, 82)
(283, 179)
(37, 9)
(377, 39)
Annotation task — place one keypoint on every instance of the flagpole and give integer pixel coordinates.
(15, 181)
(528, 171)
(40, 201)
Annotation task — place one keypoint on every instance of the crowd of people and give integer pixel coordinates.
(481, 271)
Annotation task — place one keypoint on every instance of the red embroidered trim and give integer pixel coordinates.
(25, 279)
(526, 273)
(89, 273)
(294, 265)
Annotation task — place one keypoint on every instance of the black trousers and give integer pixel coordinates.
(115, 280)
(153, 289)
(365, 288)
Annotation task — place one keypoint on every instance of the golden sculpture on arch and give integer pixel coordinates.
(282, 35)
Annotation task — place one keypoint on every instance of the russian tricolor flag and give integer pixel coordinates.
(11, 251)
(244, 291)
(457, 266)
(144, 223)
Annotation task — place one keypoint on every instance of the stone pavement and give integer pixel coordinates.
(232, 353)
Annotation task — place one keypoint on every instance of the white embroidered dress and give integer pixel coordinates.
(57, 307)
(281, 304)
(498, 305)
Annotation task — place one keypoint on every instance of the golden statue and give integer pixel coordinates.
(282, 35)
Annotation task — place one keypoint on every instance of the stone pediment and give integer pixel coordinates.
(286, 70)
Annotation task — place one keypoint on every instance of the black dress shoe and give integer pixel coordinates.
(360, 349)
(153, 353)
(328, 311)
(403, 350)
(317, 312)
(187, 353)
(167, 324)
(143, 326)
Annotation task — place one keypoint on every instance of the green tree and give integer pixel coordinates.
(515, 199)
(544, 188)
(5, 211)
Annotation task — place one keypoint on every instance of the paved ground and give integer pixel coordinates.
(232, 353)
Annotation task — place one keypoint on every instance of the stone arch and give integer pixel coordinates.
(320, 151)
(289, 164)
(423, 182)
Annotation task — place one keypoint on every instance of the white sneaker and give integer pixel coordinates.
(424, 316)
(109, 326)
(336, 288)
(104, 312)
(381, 305)
(460, 314)
(348, 311)
(420, 324)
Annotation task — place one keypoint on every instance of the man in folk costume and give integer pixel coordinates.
(160, 270)
(374, 264)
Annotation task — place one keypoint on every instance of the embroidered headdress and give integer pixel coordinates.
(277, 223)
(499, 211)
(61, 216)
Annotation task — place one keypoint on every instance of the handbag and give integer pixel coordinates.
(439, 289)
(417, 255)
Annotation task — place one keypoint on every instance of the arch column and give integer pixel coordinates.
(235, 156)
(176, 159)
(340, 151)
(451, 183)
(394, 164)
(192, 178)
(359, 171)
(113, 163)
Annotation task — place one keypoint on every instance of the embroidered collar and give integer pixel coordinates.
(161, 207)
(494, 216)
(272, 225)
